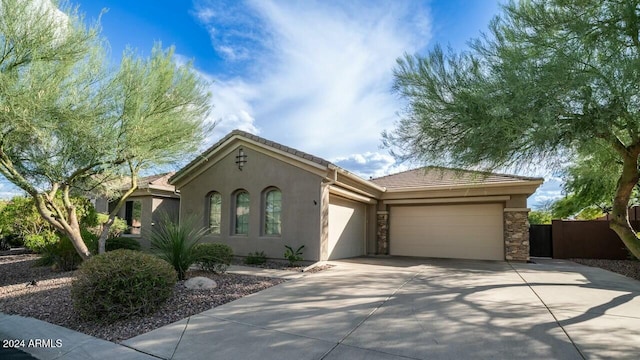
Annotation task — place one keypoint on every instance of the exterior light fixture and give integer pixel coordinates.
(241, 158)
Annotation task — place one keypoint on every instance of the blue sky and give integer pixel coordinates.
(314, 75)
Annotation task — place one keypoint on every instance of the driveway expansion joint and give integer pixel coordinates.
(550, 312)
(373, 312)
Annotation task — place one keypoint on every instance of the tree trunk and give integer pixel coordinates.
(102, 241)
(104, 234)
(70, 229)
(78, 243)
(620, 218)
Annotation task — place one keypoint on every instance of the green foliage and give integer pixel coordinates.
(61, 255)
(214, 257)
(590, 213)
(121, 284)
(539, 217)
(70, 121)
(116, 229)
(20, 220)
(39, 242)
(176, 243)
(293, 256)
(551, 79)
(122, 243)
(255, 258)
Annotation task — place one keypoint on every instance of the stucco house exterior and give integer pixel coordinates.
(257, 195)
(154, 199)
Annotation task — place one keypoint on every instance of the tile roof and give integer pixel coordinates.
(440, 176)
(149, 181)
(261, 140)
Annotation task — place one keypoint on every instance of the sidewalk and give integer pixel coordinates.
(75, 345)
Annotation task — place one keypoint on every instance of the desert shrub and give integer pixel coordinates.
(40, 242)
(4, 245)
(256, 258)
(214, 257)
(175, 243)
(121, 284)
(293, 256)
(118, 227)
(62, 255)
(122, 243)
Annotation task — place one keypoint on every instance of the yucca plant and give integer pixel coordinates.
(176, 243)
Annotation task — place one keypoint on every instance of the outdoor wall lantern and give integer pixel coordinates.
(241, 158)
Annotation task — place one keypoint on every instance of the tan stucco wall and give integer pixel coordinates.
(301, 203)
(372, 228)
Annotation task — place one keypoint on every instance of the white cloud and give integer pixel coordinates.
(232, 107)
(369, 164)
(319, 74)
(550, 191)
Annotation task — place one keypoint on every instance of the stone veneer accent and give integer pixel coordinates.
(516, 234)
(382, 234)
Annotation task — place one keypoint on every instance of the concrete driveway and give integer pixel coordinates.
(399, 308)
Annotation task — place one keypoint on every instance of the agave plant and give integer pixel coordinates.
(176, 243)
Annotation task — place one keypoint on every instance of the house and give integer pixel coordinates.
(257, 195)
(154, 199)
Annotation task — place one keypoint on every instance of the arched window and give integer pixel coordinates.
(241, 213)
(272, 212)
(215, 212)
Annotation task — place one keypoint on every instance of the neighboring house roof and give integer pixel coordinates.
(441, 176)
(159, 181)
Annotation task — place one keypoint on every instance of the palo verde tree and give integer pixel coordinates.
(549, 80)
(69, 122)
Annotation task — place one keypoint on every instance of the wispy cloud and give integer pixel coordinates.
(550, 191)
(369, 164)
(318, 74)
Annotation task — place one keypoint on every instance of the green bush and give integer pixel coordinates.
(62, 255)
(293, 256)
(117, 228)
(121, 284)
(214, 257)
(175, 243)
(256, 258)
(122, 243)
(40, 242)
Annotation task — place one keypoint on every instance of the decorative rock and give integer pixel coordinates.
(200, 283)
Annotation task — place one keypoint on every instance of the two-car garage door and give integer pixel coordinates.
(469, 231)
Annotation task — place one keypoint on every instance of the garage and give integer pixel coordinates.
(465, 231)
(346, 228)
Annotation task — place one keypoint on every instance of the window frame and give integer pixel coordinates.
(265, 213)
(235, 218)
(209, 218)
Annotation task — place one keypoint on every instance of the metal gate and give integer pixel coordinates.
(540, 241)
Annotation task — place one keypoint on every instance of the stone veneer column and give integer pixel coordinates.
(516, 234)
(382, 233)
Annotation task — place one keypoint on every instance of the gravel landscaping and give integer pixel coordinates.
(628, 268)
(40, 293)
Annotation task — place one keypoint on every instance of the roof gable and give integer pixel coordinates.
(291, 153)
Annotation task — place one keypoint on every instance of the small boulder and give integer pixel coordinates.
(200, 283)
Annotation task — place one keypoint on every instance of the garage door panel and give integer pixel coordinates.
(346, 228)
(472, 231)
